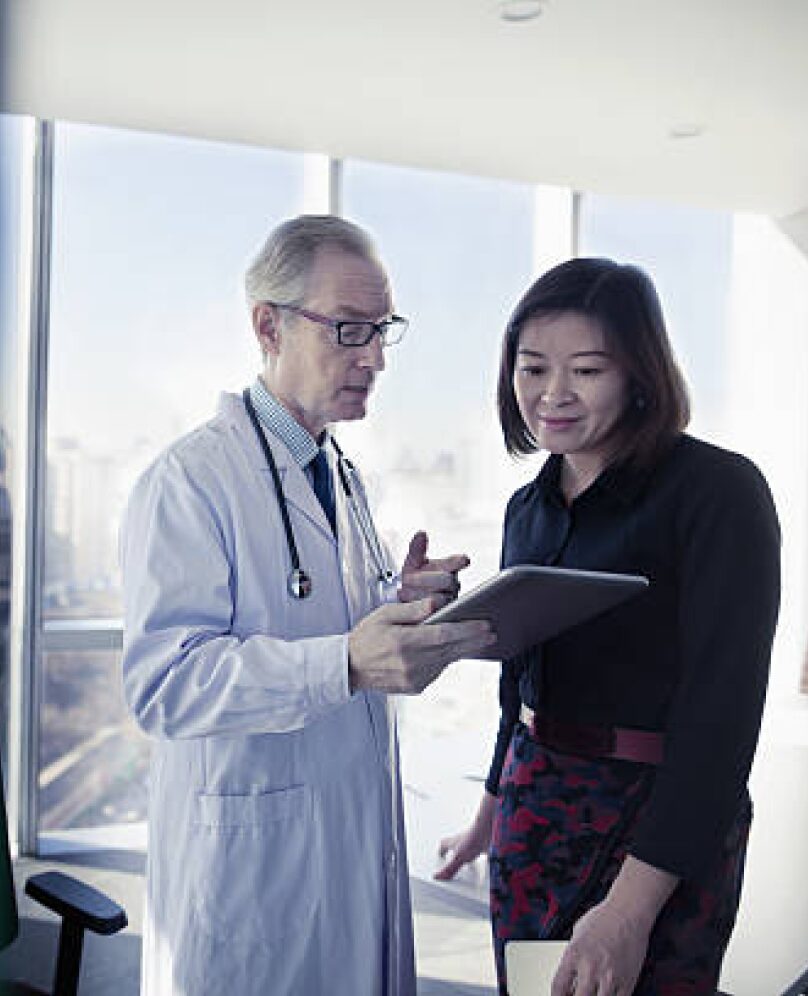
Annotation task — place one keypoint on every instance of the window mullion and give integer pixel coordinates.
(28, 528)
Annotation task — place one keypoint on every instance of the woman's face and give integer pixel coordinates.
(571, 391)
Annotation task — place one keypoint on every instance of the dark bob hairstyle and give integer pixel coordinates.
(624, 302)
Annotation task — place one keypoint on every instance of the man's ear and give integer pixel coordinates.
(266, 325)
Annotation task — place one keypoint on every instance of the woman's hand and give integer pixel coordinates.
(604, 956)
(608, 945)
(464, 847)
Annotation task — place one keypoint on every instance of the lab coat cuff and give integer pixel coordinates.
(328, 674)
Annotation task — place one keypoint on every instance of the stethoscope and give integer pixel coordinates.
(299, 585)
(299, 582)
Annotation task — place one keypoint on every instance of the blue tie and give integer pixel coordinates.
(323, 485)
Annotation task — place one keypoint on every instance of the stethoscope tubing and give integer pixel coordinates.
(346, 471)
(299, 580)
(294, 556)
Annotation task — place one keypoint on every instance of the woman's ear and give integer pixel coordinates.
(266, 325)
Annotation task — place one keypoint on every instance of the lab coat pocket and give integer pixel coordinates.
(258, 868)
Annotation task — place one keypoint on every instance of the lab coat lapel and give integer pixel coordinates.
(296, 487)
(299, 492)
(353, 551)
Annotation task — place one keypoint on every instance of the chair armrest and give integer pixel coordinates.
(799, 987)
(77, 901)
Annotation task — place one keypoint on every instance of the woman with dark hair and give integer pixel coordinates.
(616, 808)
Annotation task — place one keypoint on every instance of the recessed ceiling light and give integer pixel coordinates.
(520, 10)
(687, 130)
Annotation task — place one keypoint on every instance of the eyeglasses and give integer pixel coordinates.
(354, 333)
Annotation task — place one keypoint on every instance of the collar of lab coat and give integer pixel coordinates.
(296, 487)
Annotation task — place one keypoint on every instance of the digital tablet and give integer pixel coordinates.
(527, 605)
(532, 965)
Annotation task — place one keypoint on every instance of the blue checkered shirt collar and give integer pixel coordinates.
(276, 419)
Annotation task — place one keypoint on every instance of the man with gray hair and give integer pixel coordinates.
(264, 628)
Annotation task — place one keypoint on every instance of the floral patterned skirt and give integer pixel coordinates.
(562, 829)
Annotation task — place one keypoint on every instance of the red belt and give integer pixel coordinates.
(591, 740)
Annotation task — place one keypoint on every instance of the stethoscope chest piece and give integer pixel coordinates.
(299, 583)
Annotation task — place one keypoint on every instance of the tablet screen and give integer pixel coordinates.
(529, 604)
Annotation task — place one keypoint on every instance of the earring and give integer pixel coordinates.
(639, 402)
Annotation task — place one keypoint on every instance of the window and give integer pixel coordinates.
(15, 142)
(148, 324)
(460, 251)
(735, 292)
(688, 254)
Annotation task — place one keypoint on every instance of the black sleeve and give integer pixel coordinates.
(728, 542)
(510, 704)
(509, 701)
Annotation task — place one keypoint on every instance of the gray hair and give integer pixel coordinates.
(281, 269)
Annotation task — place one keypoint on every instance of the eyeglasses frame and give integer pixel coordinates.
(337, 324)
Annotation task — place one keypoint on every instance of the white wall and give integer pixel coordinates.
(766, 416)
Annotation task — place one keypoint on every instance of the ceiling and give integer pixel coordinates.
(586, 96)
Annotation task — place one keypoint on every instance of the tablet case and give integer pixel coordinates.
(528, 604)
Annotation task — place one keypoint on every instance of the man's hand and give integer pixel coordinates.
(391, 652)
(421, 577)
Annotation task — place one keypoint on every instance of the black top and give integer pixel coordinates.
(689, 656)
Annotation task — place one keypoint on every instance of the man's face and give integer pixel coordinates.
(318, 380)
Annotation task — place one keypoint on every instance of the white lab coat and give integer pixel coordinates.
(273, 867)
